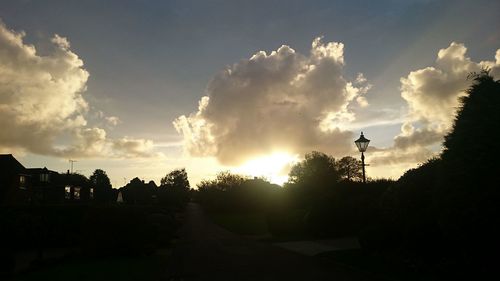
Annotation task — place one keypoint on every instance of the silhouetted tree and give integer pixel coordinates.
(224, 181)
(174, 189)
(468, 196)
(102, 185)
(411, 208)
(257, 195)
(222, 193)
(316, 170)
(310, 178)
(451, 204)
(350, 168)
(176, 179)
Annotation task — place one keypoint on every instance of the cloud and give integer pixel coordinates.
(87, 141)
(412, 155)
(133, 147)
(93, 142)
(112, 120)
(41, 101)
(39, 95)
(282, 101)
(432, 95)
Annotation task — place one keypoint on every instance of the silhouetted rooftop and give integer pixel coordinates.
(10, 164)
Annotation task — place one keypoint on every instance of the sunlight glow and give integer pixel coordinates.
(274, 167)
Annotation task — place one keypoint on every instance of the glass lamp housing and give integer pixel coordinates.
(362, 143)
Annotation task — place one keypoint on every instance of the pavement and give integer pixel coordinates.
(205, 251)
(315, 247)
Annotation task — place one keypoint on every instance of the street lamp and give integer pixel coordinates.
(44, 179)
(362, 144)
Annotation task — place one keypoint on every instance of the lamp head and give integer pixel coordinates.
(362, 143)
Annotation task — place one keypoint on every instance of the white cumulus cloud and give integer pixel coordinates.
(282, 101)
(432, 95)
(41, 100)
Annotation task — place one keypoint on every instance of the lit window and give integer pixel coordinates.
(76, 193)
(91, 194)
(22, 182)
(67, 192)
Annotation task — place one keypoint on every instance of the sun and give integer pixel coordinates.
(273, 167)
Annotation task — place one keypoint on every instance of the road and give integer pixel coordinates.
(206, 251)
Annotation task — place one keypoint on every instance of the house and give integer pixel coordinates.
(19, 185)
(14, 181)
(46, 186)
(77, 188)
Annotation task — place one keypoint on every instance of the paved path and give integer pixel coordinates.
(206, 251)
(314, 247)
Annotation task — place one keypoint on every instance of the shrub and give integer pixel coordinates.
(125, 230)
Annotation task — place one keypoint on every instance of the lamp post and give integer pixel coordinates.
(44, 182)
(362, 144)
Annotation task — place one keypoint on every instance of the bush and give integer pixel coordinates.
(42, 226)
(467, 196)
(126, 230)
(247, 195)
(98, 230)
(344, 210)
(286, 223)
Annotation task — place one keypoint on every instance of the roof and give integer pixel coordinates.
(9, 164)
(40, 170)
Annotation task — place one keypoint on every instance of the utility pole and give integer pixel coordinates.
(71, 164)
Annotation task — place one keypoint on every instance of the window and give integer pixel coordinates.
(91, 194)
(76, 193)
(22, 182)
(44, 177)
(67, 192)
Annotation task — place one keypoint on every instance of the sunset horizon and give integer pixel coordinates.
(137, 99)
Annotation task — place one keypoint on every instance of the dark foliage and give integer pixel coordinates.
(311, 178)
(176, 179)
(126, 230)
(230, 192)
(350, 168)
(317, 170)
(102, 186)
(50, 226)
(347, 209)
(442, 215)
(468, 196)
(314, 202)
(408, 214)
(174, 189)
(91, 230)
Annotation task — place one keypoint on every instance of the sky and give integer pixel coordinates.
(139, 88)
